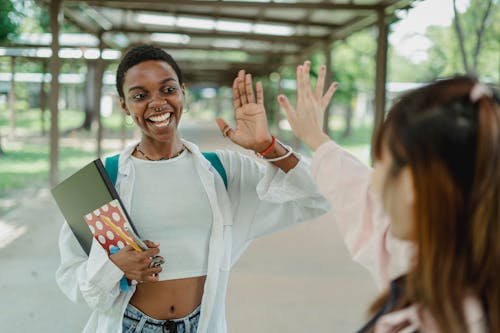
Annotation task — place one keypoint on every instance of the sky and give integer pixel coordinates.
(407, 34)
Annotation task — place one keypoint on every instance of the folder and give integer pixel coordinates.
(86, 190)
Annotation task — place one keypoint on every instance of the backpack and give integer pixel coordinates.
(111, 166)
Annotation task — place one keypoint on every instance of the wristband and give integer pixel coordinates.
(268, 149)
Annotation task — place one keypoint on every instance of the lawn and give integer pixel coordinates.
(25, 163)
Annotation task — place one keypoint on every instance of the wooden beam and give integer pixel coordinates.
(79, 21)
(87, 27)
(165, 8)
(302, 40)
(243, 4)
(168, 46)
(55, 7)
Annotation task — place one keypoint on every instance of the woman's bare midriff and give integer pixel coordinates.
(170, 299)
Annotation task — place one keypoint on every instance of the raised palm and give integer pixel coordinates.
(251, 130)
(306, 118)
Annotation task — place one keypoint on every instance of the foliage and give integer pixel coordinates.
(36, 18)
(9, 20)
(469, 28)
(353, 63)
(444, 55)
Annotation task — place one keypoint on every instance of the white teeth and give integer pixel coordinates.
(159, 118)
(162, 124)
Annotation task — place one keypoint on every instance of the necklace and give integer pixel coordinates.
(160, 159)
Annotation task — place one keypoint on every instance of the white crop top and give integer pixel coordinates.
(171, 207)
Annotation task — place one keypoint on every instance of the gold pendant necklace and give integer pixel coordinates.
(160, 159)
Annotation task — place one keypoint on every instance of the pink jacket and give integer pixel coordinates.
(345, 182)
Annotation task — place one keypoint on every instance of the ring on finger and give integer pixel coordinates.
(226, 131)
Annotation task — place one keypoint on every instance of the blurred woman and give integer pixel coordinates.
(437, 178)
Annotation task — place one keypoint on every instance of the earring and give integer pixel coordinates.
(129, 122)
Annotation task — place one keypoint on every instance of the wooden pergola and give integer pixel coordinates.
(257, 36)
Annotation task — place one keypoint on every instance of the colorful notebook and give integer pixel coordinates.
(110, 227)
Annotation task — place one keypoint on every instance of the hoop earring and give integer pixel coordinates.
(129, 122)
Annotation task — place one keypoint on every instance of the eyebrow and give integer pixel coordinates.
(162, 82)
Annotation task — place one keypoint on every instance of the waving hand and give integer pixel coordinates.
(251, 130)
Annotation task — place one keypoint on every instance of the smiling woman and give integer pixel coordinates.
(179, 203)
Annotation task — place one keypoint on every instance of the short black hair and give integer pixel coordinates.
(141, 53)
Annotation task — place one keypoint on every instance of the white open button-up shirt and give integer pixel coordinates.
(260, 199)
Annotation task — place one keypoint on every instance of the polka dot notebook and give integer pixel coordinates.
(107, 225)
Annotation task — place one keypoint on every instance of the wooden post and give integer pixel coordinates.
(98, 93)
(12, 99)
(328, 82)
(55, 7)
(380, 73)
(89, 92)
(43, 97)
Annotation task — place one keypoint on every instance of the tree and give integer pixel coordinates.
(470, 28)
(8, 27)
(8, 24)
(445, 57)
(354, 69)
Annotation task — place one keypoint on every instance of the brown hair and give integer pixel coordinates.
(452, 146)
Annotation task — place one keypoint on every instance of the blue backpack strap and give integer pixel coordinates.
(111, 166)
(217, 164)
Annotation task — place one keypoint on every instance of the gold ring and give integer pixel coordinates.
(225, 131)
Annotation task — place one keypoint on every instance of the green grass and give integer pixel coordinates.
(28, 166)
(26, 163)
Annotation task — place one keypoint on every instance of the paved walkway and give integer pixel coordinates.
(299, 280)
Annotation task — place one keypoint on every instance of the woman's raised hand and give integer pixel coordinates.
(306, 119)
(251, 130)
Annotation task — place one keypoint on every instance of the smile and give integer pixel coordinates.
(160, 120)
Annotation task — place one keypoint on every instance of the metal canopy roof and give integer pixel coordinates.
(212, 39)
